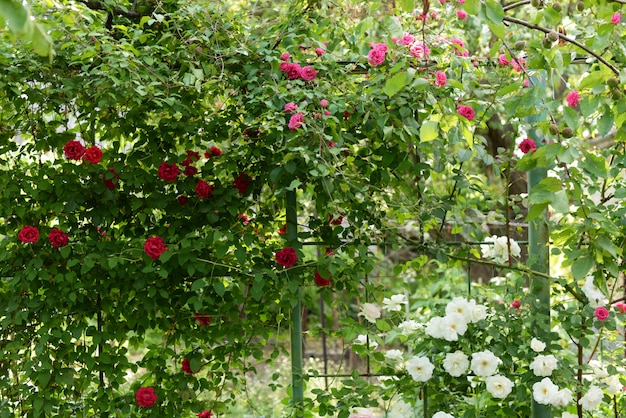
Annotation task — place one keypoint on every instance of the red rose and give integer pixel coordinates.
(58, 238)
(527, 145)
(215, 151)
(93, 155)
(146, 397)
(109, 183)
(182, 200)
(202, 319)
(190, 171)
(321, 281)
(286, 257)
(154, 247)
(168, 172)
(335, 220)
(242, 182)
(186, 366)
(28, 234)
(74, 150)
(282, 230)
(193, 155)
(204, 414)
(204, 189)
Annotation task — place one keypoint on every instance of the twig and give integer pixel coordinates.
(565, 38)
(515, 5)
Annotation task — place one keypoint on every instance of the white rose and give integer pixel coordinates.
(362, 340)
(453, 325)
(613, 385)
(484, 363)
(459, 305)
(499, 386)
(408, 326)
(442, 415)
(568, 415)
(562, 398)
(545, 391)
(370, 312)
(477, 312)
(420, 369)
(394, 304)
(537, 346)
(394, 356)
(401, 409)
(593, 293)
(456, 363)
(543, 365)
(592, 398)
(434, 327)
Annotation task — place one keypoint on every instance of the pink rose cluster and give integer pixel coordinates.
(466, 111)
(572, 98)
(376, 55)
(294, 71)
(518, 64)
(528, 145)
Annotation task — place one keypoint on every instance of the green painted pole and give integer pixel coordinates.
(539, 256)
(296, 315)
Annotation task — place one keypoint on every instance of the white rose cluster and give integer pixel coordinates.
(459, 313)
(593, 293)
(497, 249)
(547, 393)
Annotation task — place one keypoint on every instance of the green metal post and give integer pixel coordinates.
(539, 257)
(296, 314)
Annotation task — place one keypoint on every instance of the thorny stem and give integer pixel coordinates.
(565, 38)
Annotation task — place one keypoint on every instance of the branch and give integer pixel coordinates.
(565, 38)
(515, 5)
(96, 5)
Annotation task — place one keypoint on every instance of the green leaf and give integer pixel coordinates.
(596, 165)
(581, 267)
(429, 131)
(560, 202)
(396, 83)
(607, 245)
(495, 11)
(497, 29)
(606, 121)
(407, 5)
(536, 211)
(472, 6)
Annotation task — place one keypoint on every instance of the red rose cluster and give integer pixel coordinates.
(74, 150)
(30, 235)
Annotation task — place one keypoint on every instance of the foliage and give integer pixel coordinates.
(153, 155)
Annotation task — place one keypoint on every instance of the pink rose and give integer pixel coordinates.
(526, 83)
(572, 98)
(93, 155)
(441, 79)
(290, 107)
(461, 14)
(503, 61)
(518, 64)
(601, 313)
(74, 150)
(154, 247)
(319, 52)
(616, 18)
(466, 111)
(285, 56)
(292, 70)
(376, 56)
(28, 234)
(324, 103)
(308, 73)
(527, 145)
(296, 121)
(205, 414)
(407, 39)
(286, 257)
(419, 50)
(516, 304)
(146, 397)
(58, 238)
